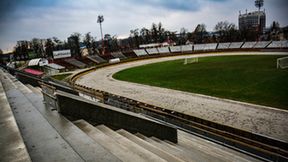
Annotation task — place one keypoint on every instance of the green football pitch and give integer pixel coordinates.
(252, 79)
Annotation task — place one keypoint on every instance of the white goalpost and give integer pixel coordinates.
(190, 60)
(282, 63)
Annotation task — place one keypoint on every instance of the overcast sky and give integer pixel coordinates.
(27, 19)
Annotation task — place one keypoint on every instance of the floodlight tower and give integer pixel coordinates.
(259, 4)
(100, 20)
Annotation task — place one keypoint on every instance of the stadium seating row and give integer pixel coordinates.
(186, 49)
(211, 47)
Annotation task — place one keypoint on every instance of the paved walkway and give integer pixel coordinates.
(254, 118)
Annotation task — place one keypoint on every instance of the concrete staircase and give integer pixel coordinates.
(129, 146)
(46, 135)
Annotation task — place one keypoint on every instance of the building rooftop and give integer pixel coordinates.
(254, 13)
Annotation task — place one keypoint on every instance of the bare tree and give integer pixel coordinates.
(134, 38)
(226, 31)
(74, 44)
(88, 42)
(49, 47)
(199, 33)
(183, 36)
(145, 34)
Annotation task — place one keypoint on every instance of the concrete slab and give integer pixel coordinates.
(131, 145)
(33, 89)
(211, 148)
(176, 152)
(148, 146)
(82, 144)
(42, 141)
(109, 143)
(11, 142)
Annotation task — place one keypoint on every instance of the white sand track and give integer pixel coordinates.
(254, 118)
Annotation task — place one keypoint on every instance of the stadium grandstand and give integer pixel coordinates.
(140, 52)
(249, 45)
(223, 46)
(152, 51)
(163, 50)
(97, 59)
(236, 45)
(118, 54)
(262, 44)
(75, 63)
(278, 44)
(175, 49)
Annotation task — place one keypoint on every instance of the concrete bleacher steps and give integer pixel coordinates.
(109, 143)
(193, 148)
(152, 51)
(39, 136)
(126, 145)
(223, 45)
(278, 44)
(149, 146)
(97, 59)
(140, 52)
(249, 45)
(213, 149)
(165, 147)
(12, 144)
(47, 134)
(75, 63)
(163, 50)
(236, 45)
(145, 154)
(262, 44)
(175, 49)
(36, 90)
(118, 54)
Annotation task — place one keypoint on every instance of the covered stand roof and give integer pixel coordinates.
(38, 61)
(33, 72)
(55, 66)
(34, 62)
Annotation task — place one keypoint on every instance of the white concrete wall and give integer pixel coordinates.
(186, 48)
(223, 45)
(199, 47)
(249, 44)
(140, 52)
(152, 51)
(163, 50)
(175, 48)
(235, 45)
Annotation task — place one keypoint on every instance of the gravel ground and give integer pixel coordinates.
(254, 118)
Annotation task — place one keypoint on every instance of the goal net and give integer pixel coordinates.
(190, 60)
(282, 62)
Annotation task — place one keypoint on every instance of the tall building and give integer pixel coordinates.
(252, 21)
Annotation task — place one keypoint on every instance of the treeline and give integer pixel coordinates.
(224, 31)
